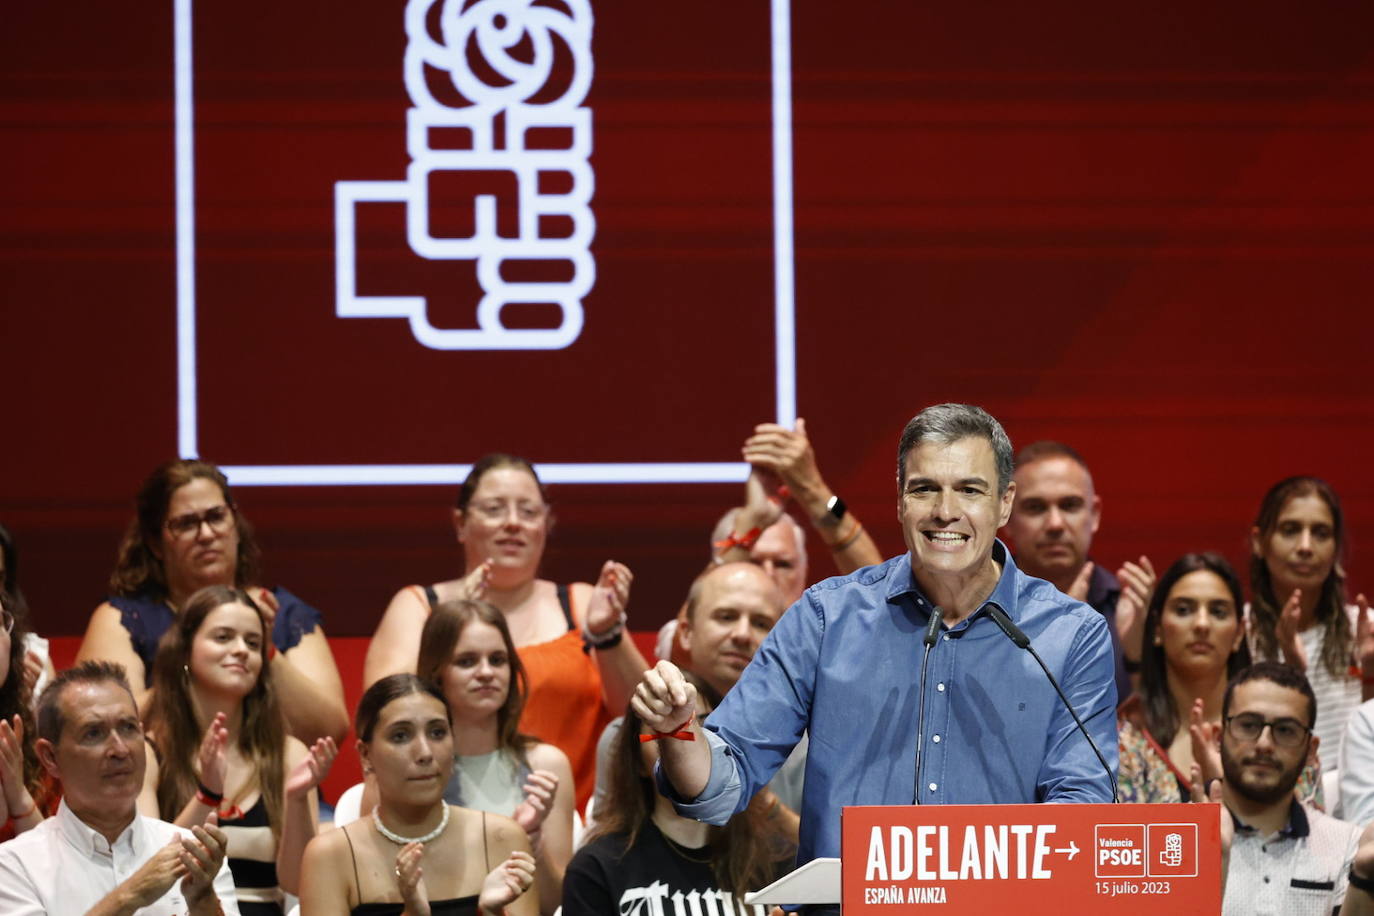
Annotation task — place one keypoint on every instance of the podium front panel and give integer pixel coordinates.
(1030, 859)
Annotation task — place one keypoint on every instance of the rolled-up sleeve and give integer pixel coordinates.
(761, 719)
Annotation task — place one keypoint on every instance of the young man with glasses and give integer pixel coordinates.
(1284, 857)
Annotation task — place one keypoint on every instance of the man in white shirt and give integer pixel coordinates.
(97, 856)
(1285, 858)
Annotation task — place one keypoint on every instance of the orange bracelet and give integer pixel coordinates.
(745, 540)
(682, 733)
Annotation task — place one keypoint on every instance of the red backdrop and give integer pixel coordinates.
(1143, 230)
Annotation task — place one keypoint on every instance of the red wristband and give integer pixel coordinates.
(682, 733)
(745, 540)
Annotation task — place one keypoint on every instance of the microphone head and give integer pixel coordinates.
(1014, 633)
(933, 626)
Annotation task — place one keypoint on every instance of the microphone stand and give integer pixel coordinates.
(1022, 641)
(932, 634)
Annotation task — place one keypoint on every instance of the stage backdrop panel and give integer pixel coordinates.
(1145, 231)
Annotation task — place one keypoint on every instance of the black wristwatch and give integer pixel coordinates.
(1364, 884)
(834, 510)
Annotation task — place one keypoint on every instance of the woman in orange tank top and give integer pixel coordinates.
(569, 637)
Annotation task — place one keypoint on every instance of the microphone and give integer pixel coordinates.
(931, 636)
(1022, 641)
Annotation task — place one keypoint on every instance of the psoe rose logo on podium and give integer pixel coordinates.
(1171, 850)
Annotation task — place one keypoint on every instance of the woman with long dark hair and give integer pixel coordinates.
(220, 745)
(640, 841)
(26, 793)
(1298, 613)
(187, 533)
(415, 854)
(1194, 643)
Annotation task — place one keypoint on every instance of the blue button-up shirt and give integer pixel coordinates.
(844, 664)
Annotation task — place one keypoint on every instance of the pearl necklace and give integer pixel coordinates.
(403, 840)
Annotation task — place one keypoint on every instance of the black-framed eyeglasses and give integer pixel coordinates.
(1248, 726)
(219, 518)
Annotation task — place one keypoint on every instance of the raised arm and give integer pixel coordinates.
(788, 454)
(552, 825)
(107, 640)
(306, 768)
(307, 681)
(396, 644)
(621, 665)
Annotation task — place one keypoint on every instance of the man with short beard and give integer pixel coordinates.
(1285, 857)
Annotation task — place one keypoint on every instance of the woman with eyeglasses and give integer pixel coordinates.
(188, 533)
(1194, 643)
(219, 745)
(27, 794)
(414, 854)
(569, 637)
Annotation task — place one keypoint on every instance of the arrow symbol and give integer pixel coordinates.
(1072, 850)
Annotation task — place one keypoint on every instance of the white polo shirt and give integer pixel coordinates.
(63, 866)
(1300, 871)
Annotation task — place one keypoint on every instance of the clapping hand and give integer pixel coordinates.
(609, 599)
(786, 453)
(1206, 741)
(268, 604)
(1137, 589)
(410, 879)
(213, 755)
(312, 769)
(15, 796)
(506, 883)
(201, 859)
(1287, 631)
(540, 789)
(473, 586)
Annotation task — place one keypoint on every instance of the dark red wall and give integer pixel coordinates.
(1144, 230)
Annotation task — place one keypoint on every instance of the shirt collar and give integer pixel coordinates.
(902, 581)
(86, 839)
(1296, 828)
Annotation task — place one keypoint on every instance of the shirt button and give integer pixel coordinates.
(1266, 879)
(935, 738)
(940, 687)
(932, 788)
(946, 637)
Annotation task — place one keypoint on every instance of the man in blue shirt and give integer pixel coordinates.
(844, 662)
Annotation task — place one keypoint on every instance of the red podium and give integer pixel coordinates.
(1050, 859)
